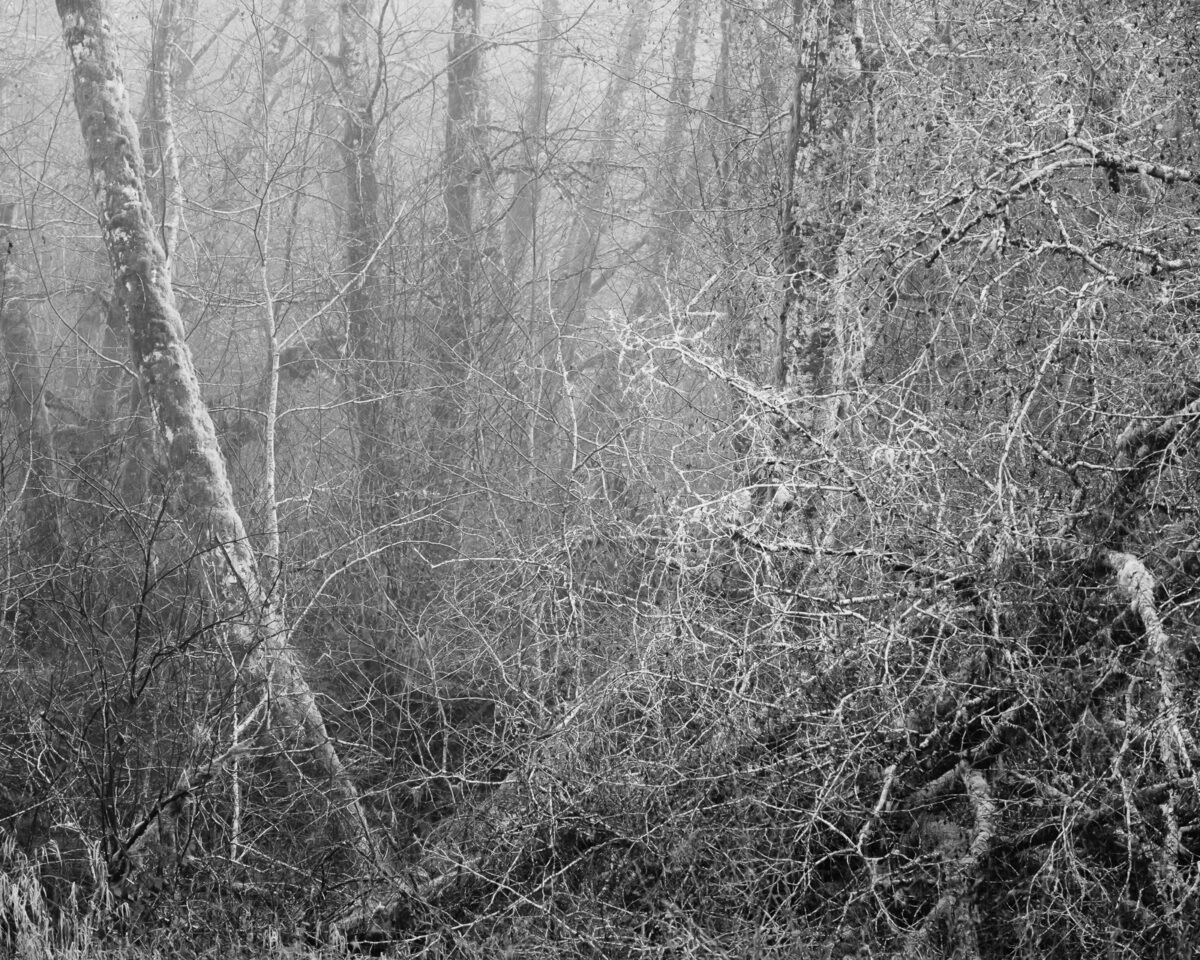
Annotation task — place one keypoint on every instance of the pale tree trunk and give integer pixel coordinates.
(463, 163)
(816, 323)
(156, 129)
(119, 429)
(27, 405)
(202, 498)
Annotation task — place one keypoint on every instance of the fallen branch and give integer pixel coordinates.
(1137, 584)
(1121, 164)
(1150, 440)
(954, 905)
(892, 561)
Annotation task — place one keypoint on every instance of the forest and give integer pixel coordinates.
(600, 479)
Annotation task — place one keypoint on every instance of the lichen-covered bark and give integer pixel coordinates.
(202, 496)
(818, 197)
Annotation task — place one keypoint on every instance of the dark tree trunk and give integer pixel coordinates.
(27, 405)
(456, 328)
(367, 346)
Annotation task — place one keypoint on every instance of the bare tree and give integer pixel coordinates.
(668, 191)
(573, 281)
(463, 162)
(27, 404)
(187, 443)
(366, 345)
(521, 218)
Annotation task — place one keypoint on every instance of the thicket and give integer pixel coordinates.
(683, 659)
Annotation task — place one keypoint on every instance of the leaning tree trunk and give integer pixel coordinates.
(158, 130)
(573, 281)
(186, 440)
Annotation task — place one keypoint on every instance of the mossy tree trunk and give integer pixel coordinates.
(186, 442)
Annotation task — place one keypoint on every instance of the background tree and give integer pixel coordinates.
(36, 485)
(464, 160)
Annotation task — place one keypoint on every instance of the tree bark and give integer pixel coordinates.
(521, 222)
(158, 133)
(818, 198)
(365, 348)
(202, 497)
(669, 214)
(463, 161)
(572, 285)
(27, 404)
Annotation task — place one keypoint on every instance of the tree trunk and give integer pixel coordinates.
(27, 404)
(158, 130)
(818, 199)
(521, 237)
(463, 161)
(202, 497)
(669, 211)
(572, 285)
(521, 221)
(365, 348)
